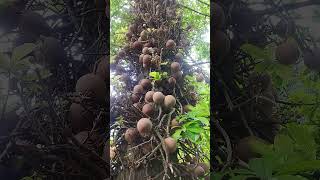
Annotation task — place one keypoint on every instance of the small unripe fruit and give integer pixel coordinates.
(148, 109)
(170, 144)
(287, 53)
(170, 44)
(174, 122)
(138, 89)
(179, 57)
(149, 96)
(175, 67)
(158, 97)
(145, 50)
(200, 77)
(146, 83)
(199, 171)
(135, 98)
(172, 81)
(131, 135)
(144, 127)
(169, 102)
(187, 108)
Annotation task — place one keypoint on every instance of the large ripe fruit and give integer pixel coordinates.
(144, 127)
(81, 119)
(170, 44)
(200, 77)
(149, 96)
(93, 86)
(245, 148)
(170, 144)
(312, 60)
(158, 97)
(178, 57)
(145, 50)
(287, 53)
(138, 89)
(33, 23)
(172, 81)
(131, 135)
(147, 59)
(177, 75)
(148, 109)
(169, 101)
(175, 67)
(103, 67)
(146, 83)
(135, 98)
(221, 44)
(218, 16)
(199, 171)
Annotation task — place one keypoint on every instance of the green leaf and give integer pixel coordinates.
(295, 168)
(262, 167)
(177, 134)
(22, 51)
(289, 177)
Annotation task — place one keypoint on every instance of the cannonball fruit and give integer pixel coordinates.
(178, 57)
(175, 67)
(135, 98)
(148, 109)
(141, 58)
(129, 34)
(170, 144)
(172, 81)
(147, 59)
(145, 50)
(121, 53)
(177, 75)
(287, 53)
(204, 166)
(312, 60)
(144, 127)
(199, 171)
(169, 101)
(137, 45)
(158, 97)
(132, 28)
(170, 44)
(149, 96)
(93, 86)
(146, 83)
(218, 16)
(200, 77)
(131, 135)
(138, 89)
(81, 119)
(144, 35)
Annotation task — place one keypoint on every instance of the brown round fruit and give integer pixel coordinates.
(144, 127)
(200, 77)
(199, 171)
(146, 83)
(147, 59)
(169, 101)
(287, 53)
(129, 34)
(121, 54)
(175, 67)
(148, 44)
(179, 57)
(93, 86)
(144, 35)
(205, 166)
(218, 16)
(141, 58)
(131, 135)
(170, 144)
(138, 89)
(158, 97)
(177, 75)
(245, 148)
(137, 45)
(81, 119)
(221, 44)
(148, 109)
(312, 60)
(132, 28)
(170, 44)
(172, 81)
(145, 50)
(135, 98)
(149, 97)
